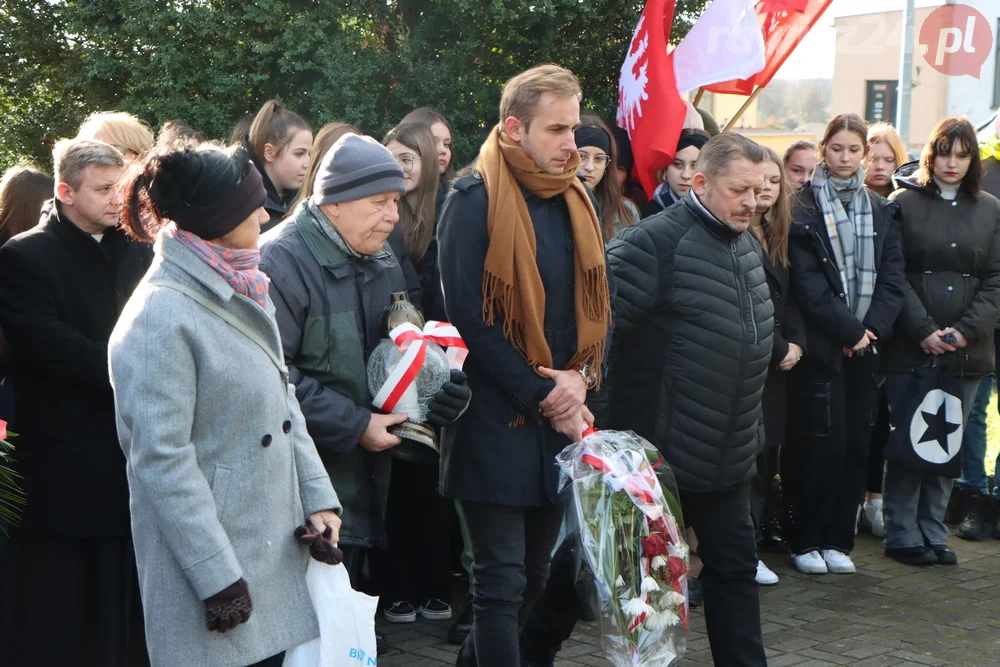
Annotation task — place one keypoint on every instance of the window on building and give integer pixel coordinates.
(880, 101)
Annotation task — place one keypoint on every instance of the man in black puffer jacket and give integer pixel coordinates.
(692, 344)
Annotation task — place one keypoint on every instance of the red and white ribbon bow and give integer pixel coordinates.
(414, 355)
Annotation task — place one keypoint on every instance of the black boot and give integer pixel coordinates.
(462, 626)
(973, 526)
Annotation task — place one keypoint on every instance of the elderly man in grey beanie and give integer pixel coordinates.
(332, 277)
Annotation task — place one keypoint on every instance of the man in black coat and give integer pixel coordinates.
(69, 567)
(517, 298)
(693, 336)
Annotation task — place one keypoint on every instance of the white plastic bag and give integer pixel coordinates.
(346, 622)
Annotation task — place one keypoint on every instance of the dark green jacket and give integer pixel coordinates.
(329, 307)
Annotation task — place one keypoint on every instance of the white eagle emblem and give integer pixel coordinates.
(632, 86)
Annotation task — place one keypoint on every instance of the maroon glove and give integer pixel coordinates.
(320, 546)
(228, 608)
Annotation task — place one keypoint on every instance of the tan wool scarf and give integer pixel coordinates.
(512, 285)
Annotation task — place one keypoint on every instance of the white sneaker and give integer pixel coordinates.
(873, 517)
(809, 563)
(838, 562)
(765, 577)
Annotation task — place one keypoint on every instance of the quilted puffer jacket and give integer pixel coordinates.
(693, 334)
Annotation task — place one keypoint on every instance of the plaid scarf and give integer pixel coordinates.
(239, 268)
(852, 233)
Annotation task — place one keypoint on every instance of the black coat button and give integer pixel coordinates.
(287, 426)
(266, 441)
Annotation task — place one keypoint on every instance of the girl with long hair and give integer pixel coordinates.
(951, 239)
(770, 225)
(846, 275)
(886, 153)
(599, 171)
(279, 142)
(440, 128)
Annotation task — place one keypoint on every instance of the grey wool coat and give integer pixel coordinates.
(220, 467)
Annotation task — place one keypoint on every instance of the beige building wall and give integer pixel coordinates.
(868, 49)
(776, 139)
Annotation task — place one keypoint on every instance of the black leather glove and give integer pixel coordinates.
(450, 401)
(228, 608)
(320, 546)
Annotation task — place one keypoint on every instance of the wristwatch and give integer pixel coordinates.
(589, 378)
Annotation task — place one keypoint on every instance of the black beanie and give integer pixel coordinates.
(593, 136)
(625, 159)
(208, 192)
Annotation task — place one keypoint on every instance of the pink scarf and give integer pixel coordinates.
(239, 268)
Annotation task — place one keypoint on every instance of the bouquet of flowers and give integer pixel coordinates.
(11, 495)
(632, 535)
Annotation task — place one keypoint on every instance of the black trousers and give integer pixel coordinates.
(824, 463)
(880, 436)
(762, 491)
(414, 567)
(511, 551)
(70, 602)
(569, 592)
(728, 550)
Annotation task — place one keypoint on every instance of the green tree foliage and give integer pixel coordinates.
(368, 62)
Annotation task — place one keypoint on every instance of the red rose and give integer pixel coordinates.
(654, 546)
(3, 430)
(658, 526)
(677, 567)
(676, 584)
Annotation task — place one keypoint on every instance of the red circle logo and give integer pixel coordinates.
(956, 40)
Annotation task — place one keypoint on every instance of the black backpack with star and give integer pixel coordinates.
(928, 423)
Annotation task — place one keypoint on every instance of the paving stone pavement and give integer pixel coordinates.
(887, 614)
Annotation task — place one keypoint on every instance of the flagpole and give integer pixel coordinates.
(746, 105)
(698, 96)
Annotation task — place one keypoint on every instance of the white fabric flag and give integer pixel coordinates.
(725, 43)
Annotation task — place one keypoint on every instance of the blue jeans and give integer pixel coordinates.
(974, 442)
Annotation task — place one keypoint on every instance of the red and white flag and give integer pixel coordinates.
(783, 24)
(725, 43)
(649, 106)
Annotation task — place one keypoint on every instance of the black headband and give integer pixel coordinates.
(593, 136)
(688, 140)
(227, 212)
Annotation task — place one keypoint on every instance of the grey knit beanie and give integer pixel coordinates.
(356, 167)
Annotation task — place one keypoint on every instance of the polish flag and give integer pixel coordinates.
(725, 43)
(649, 106)
(783, 24)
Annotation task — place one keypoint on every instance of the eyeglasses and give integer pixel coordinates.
(406, 162)
(601, 160)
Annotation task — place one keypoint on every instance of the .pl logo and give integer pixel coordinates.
(956, 40)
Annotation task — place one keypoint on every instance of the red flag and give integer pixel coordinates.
(784, 24)
(649, 106)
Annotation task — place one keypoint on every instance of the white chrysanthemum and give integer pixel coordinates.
(658, 563)
(679, 550)
(636, 607)
(649, 585)
(669, 618)
(620, 582)
(658, 621)
(671, 600)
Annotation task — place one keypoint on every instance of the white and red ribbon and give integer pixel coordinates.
(414, 355)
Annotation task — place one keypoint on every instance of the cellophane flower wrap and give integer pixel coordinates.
(632, 535)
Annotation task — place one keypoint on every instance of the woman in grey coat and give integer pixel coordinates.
(228, 494)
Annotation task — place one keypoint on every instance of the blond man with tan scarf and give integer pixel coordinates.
(525, 281)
